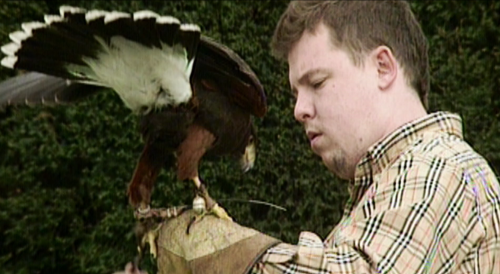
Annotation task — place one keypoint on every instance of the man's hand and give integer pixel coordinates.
(213, 245)
(131, 269)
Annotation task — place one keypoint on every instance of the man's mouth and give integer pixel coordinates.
(312, 136)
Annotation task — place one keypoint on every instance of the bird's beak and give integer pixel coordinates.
(248, 159)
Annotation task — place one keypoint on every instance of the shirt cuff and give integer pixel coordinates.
(309, 252)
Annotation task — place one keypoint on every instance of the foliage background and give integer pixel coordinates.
(64, 170)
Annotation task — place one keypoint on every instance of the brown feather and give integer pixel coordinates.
(163, 132)
(145, 174)
(220, 63)
(191, 150)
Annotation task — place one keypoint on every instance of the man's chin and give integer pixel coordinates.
(339, 167)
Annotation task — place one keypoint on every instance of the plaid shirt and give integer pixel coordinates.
(423, 201)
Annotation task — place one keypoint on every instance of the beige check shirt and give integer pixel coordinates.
(423, 201)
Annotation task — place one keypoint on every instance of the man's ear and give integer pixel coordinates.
(387, 68)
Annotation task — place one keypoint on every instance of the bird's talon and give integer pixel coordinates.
(203, 203)
(220, 212)
(150, 238)
(199, 207)
(194, 220)
(149, 225)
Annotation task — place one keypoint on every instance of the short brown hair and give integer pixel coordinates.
(358, 27)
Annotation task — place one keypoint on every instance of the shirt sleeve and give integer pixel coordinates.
(419, 219)
(309, 256)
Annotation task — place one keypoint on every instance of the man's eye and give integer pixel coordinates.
(317, 85)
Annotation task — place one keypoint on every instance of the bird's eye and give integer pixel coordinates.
(250, 139)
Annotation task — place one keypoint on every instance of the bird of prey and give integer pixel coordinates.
(195, 97)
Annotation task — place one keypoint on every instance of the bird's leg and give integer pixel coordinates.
(204, 204)
(140, 188)
(141, 185)
(160, 214)
(211, 205)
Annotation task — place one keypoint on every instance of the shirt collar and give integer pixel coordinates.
(389, 148)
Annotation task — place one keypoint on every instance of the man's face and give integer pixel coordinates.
(335, 101)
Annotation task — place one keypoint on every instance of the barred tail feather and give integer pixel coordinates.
(34, 88)
(49, 47)
(189, 38)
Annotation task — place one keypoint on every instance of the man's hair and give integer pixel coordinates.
(359, 27)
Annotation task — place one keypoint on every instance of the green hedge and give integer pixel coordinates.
(64, 170)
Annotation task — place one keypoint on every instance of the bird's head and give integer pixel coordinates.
(248, 158)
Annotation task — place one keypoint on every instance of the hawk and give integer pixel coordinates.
(195, 97)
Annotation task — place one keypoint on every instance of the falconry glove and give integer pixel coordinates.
(213, 246)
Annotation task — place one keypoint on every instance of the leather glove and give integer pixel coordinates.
(213, 246)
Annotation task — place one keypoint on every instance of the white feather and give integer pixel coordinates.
(70, 9)
(95, 14)
(167, 20)
(30, 26)
(10, 49)
(143, 14)
(139, 73)
(49, 19)
(190, 27)
(115, 15)
(194, 28)
(9, 61)
(18, 36)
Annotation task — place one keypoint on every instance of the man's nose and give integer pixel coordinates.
(304, 109)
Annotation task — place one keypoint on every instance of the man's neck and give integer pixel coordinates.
(407, 108)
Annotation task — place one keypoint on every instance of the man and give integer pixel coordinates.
(421, 199)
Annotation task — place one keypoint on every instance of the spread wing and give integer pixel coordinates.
(145, 58)
(78, 45)
(222, 65)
